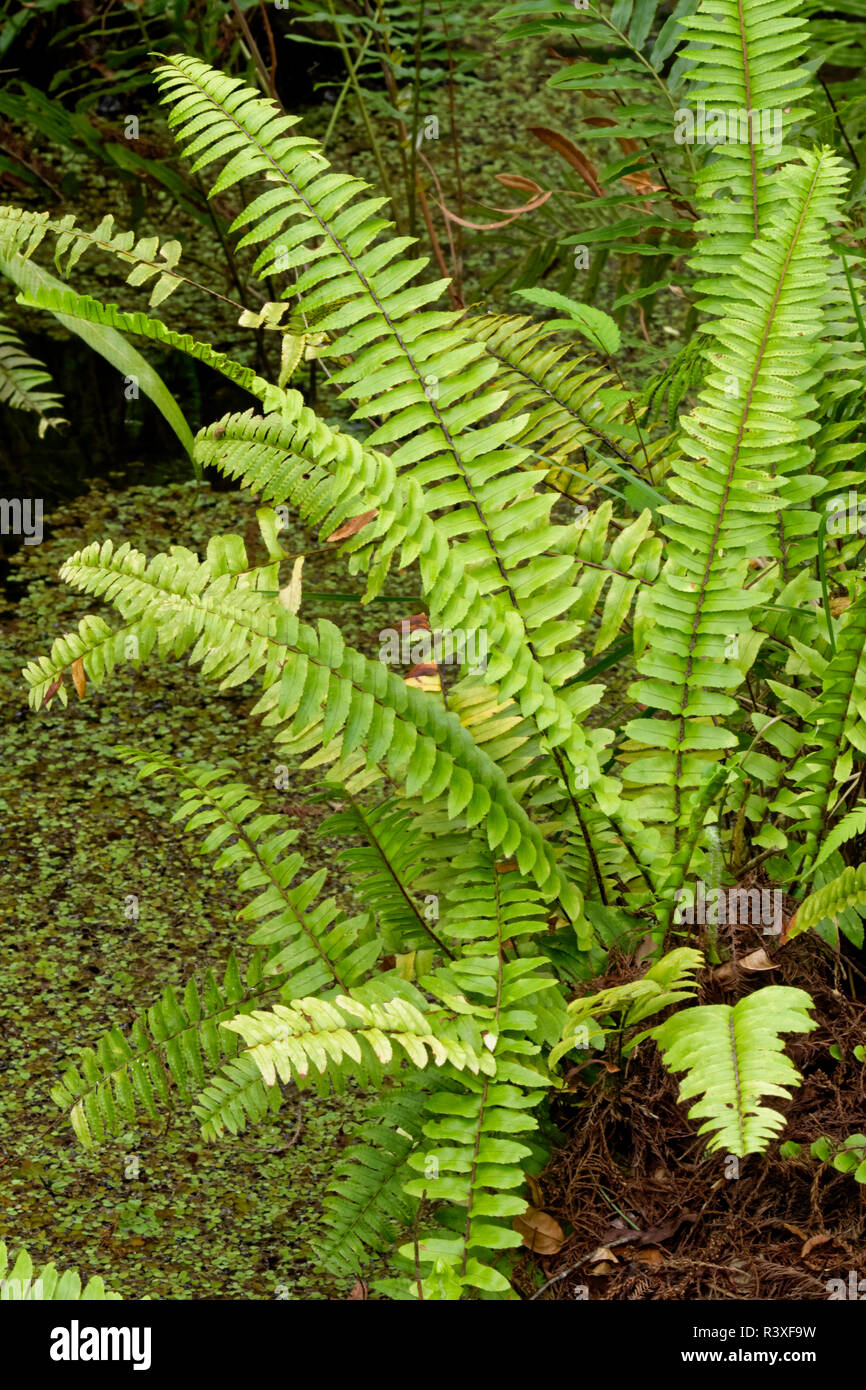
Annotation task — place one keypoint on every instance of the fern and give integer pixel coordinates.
(667, 982)
(21, 380)
(498, 839)
(418, 369)
(21, 1281)
(830, 901)
(733, 1056)
(366, 1209)
(168, 1048)
(732, 445)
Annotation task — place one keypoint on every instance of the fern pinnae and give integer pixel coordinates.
(726, 480)
(167, 1048)
(733, 1057)
(383, 871)
(313, 683)
(459, 462)
(310, 944)
(22, 382)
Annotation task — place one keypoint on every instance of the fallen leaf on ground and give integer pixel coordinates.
(814, 1241)
(652, 1256)
(754, 961)
(539, 1232)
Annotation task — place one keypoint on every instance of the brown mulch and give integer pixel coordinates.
(648, 1214)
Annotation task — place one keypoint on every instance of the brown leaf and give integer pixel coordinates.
(539, 1232)
(651, 1256)
(506, 866)
(359, 1290)
(754, 961)
(602, 1254)
(757, 960)
(51, 691)
(518, 181)
(815, 1241)
(626, 144)
(418, 622)
(352, 526)
(642, 182)
(795, 1230)
(535, 1191)
(513, 214)
(79, 680)
(571, 154)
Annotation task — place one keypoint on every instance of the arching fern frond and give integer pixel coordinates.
(734, 1058)
(23, 231)
(287, 1041)
(472, 1161)
(383, 869)
(163, 1059)
(833, 719)
(734, 444)
(22, 378)
(834, 898)
(567, 403)
(309, 942)
(416, 367)
(746, 67)
(318, 690)
(366, 1209)
(90, 310)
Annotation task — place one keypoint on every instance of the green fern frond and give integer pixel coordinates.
(735, 445)
(830, 901)
(233, 1098)
(417, 368)
(328, 476)
(322, 692)
(90, 310)
(99, 647)
(567, 404)
(366, 1209)
(163, 1059)
(833, 722)
(666, 982)
(21, 1281)
(734, 1058)
(383, 870)
(308, 940)
(286, 1041)
(746, 64)
(472, 1161)
(21, 380)
(23, 231)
